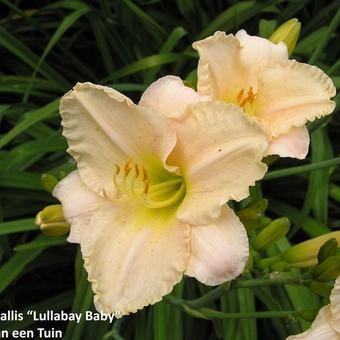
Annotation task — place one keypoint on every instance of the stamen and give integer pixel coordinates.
(179, 194)
(240, 95)
(136, 170)
(127, 168)
(117, 169)
(147, 185)
(145, 175)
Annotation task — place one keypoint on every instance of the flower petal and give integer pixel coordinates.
(169, 96)
(335, 306)
(293, 144)
(78, 201)
(256, 50)
(133, 257)
(220, 72)
(219, 152)
(219, 250)
(290, 93)
(103, 127)
(320, 329)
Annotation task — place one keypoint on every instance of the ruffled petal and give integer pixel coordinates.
(293, 144)
(219, 152)
(104, 128)
(219, 250)
(256, 50)
(335, 306)
(320, 329)
(133, 256)
(78, 201)
(220, 72)
(169, 96)
(290, 93)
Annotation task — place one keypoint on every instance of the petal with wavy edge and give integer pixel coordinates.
(290, 93)
(78, 202)
(219, 250)
(335, 305)
(320, 329)
(133, 256)
(220, 72)
(103, 127)
(169, 96)
(219, 152)
(256, 50)
(293, 144)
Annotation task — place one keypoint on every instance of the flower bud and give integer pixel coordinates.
(288, 33)
(308, 251)
(51, 221)
(271, 234)
(327, 249)
(327, 270)
(252, 216)
(320, 288)
(48, 182)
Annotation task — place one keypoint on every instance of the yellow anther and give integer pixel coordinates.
(145, 175)
(240, 95)
(147, 185)
(127, 168)
(117, 167)
(136, 170)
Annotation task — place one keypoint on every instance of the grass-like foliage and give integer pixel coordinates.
(48, 46)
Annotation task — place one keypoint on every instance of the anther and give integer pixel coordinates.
(240, 95)
(117, 169)
(145, 175)
(147, 185)
(136, 170)
(127, 168)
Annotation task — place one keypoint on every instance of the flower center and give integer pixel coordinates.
(134, 181)
(246, 100)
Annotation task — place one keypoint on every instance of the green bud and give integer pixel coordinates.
(328, 249)
(249, 264)
(51, 221)
(308, 315)
(48, 182)
(327, 270)
(308, 251)
(252, 216)
(320, 288)
(288, 33)
(271, 234)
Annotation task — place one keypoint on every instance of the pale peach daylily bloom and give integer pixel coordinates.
(147, 203)
(280, 94)
(326, 326)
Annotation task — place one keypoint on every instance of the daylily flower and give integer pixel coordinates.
(147, 203)
(281, 95)
(326, 326)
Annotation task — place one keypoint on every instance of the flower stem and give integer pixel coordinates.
(272, 279)
(301, 169)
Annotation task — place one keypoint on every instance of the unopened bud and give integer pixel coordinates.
(308, 251)
(48, 182)
(252, 216)
(328, 249)
(51, 221)
(320, 288)
(327, 270)
(271, 234)
(288, 33)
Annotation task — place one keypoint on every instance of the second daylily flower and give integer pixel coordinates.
(147, 203)
(281, 95)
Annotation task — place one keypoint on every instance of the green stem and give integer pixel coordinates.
(208, 313)
(273, 279)
(301, 169)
